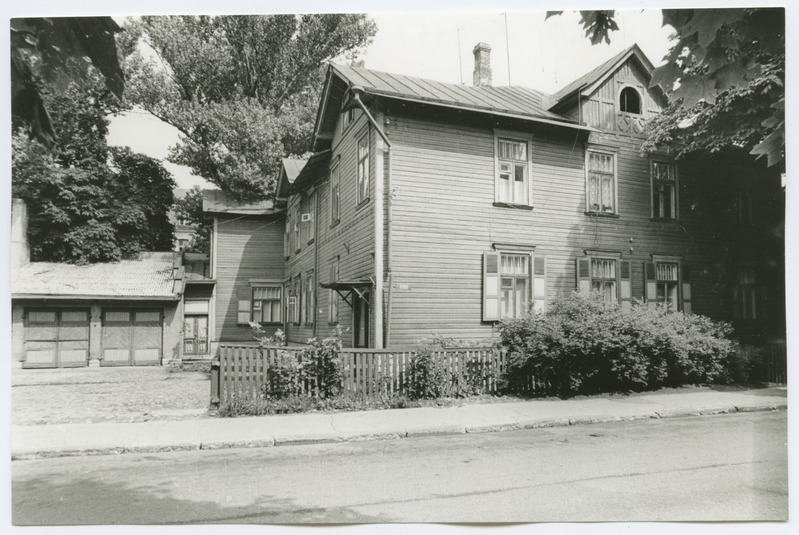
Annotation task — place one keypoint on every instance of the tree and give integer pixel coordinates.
(190, 209)
(725, 78)
(86, 202)
(247, 93)
(54, 51)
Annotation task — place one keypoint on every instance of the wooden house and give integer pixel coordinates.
(434, 210)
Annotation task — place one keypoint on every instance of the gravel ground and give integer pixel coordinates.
(88, 395)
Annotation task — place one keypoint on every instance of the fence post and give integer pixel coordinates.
(215, 381)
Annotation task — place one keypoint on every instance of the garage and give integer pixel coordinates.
(56, 338)
(131, 337)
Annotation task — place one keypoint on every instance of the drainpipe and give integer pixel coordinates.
(383, 144)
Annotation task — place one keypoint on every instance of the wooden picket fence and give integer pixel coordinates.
(241, 371)
(776, 363)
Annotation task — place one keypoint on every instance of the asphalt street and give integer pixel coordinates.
(724, 467)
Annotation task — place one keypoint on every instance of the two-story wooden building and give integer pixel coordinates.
(436, 210)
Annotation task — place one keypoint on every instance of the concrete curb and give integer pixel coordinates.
(450, 429)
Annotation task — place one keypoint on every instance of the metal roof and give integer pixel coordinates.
(152, 276)
(292, 166)
(515, 100)
(215, 201)
(315, 168)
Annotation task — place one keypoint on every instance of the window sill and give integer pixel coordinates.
(362, 204)
(332, 323)
(513, 205)
(272, 324)
(602, 214)
(297, 251)
(664, 220)
(334, 225)
(310, 242)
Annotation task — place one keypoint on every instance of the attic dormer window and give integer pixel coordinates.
(630, 101)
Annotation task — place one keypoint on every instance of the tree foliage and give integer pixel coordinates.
(88, 202)
(247, 92)
(54, 51)
(725, 78)
(189, 208)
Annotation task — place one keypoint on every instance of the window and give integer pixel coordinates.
(287, 238)
(363, 169)
(296, 221)
(332, 295)
(183, 243)
(667, 284)
(603, 278)
(664, 190)
(630, 101)
(308, 305)
(266, 304)
(347, 117)
(513, 181)
(515, 279)
(601, 182)
(334, 195)
(296, 292)
(744, 295)
(312, 222)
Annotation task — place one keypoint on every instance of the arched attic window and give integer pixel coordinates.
(630, 101)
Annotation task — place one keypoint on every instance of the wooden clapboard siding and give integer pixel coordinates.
(352, 239)
(444, 218)
(247, 248)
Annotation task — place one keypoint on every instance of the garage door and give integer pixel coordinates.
(131, 338)
(56, 338)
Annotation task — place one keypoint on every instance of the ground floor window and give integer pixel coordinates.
(515, 285)
(744, 295)
(668, 290)
(603, 278)
(266, 304)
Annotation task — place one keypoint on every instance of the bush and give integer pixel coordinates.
(586, 346)
(298, 404)
(428, 377)
(322, 360)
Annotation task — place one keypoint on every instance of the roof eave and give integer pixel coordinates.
(85, 297)
(553, 122)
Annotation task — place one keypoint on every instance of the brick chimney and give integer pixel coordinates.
(482, 65)
(20, 252)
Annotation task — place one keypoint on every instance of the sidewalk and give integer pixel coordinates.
(215, 433)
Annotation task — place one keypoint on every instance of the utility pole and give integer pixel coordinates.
(460, 61)
(507, 46)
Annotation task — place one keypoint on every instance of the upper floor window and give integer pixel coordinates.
(311, 217)
(347, 117)
(601, 182)
(630, 101)
(296, 219)
(513, 174)
(335, 197)
(287, 237)
(664, 190)
(363, 169)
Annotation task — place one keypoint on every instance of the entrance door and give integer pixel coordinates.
(195, 335)
(56, 339)
(360, 320)
(131, 338)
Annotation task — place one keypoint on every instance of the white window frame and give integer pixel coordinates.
(640, 100)
(518, 137)
(519, 310)
(309, 301)
(258, 304)
(335, 194)
(287, 238)
(676, 260)
(675, 197)
(616, 279)
(332, 295)
(362, 169)
(614, 159)
(312, 222)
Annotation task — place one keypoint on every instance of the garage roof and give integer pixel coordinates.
(151, 276)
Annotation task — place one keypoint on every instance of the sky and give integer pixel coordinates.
(544, 55)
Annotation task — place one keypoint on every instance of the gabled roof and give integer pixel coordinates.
(597, 75)
(289, 170)
(151, 276)
(216, 202)
(514, 101)
(313, 170)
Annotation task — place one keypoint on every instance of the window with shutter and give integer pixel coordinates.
(267, 303)
(665, 285)
(664, 190)
(332, 295)
(609, 276)
(539, 284)
(506, 285)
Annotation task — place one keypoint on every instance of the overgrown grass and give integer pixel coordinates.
(298, 404)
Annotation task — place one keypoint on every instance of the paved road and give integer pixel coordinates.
(726, 467)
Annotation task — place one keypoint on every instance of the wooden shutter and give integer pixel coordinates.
(539, 284)
(686, 290)
(244, 295)
(625, 286)
(650, 288)
(583, 270)
(491, 286)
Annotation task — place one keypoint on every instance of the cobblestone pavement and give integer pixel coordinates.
(87, 395)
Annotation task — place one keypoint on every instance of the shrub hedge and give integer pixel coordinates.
(586, 346)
